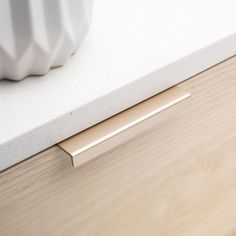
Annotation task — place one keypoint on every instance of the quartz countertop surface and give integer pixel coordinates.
(135, 49)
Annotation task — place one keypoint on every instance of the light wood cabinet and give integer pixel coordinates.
(179, 178)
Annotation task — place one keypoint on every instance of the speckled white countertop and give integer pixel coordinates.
(134, 50)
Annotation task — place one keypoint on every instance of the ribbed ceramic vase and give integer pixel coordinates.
(36, 35)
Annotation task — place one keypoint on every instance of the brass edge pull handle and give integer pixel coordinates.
(120, 128)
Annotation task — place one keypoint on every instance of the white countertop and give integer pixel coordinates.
(134, 50)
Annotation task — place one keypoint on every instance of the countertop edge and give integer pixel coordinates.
(55, 131)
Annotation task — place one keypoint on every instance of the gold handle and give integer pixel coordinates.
(120, 128)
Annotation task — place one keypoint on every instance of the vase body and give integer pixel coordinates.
(36, 35)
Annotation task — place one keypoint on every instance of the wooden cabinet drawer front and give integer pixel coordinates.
(178, 179)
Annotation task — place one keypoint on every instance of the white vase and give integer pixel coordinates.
(36, 35)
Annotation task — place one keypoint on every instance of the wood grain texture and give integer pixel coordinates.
(178, 179)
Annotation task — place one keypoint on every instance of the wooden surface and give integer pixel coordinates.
(178, 179)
